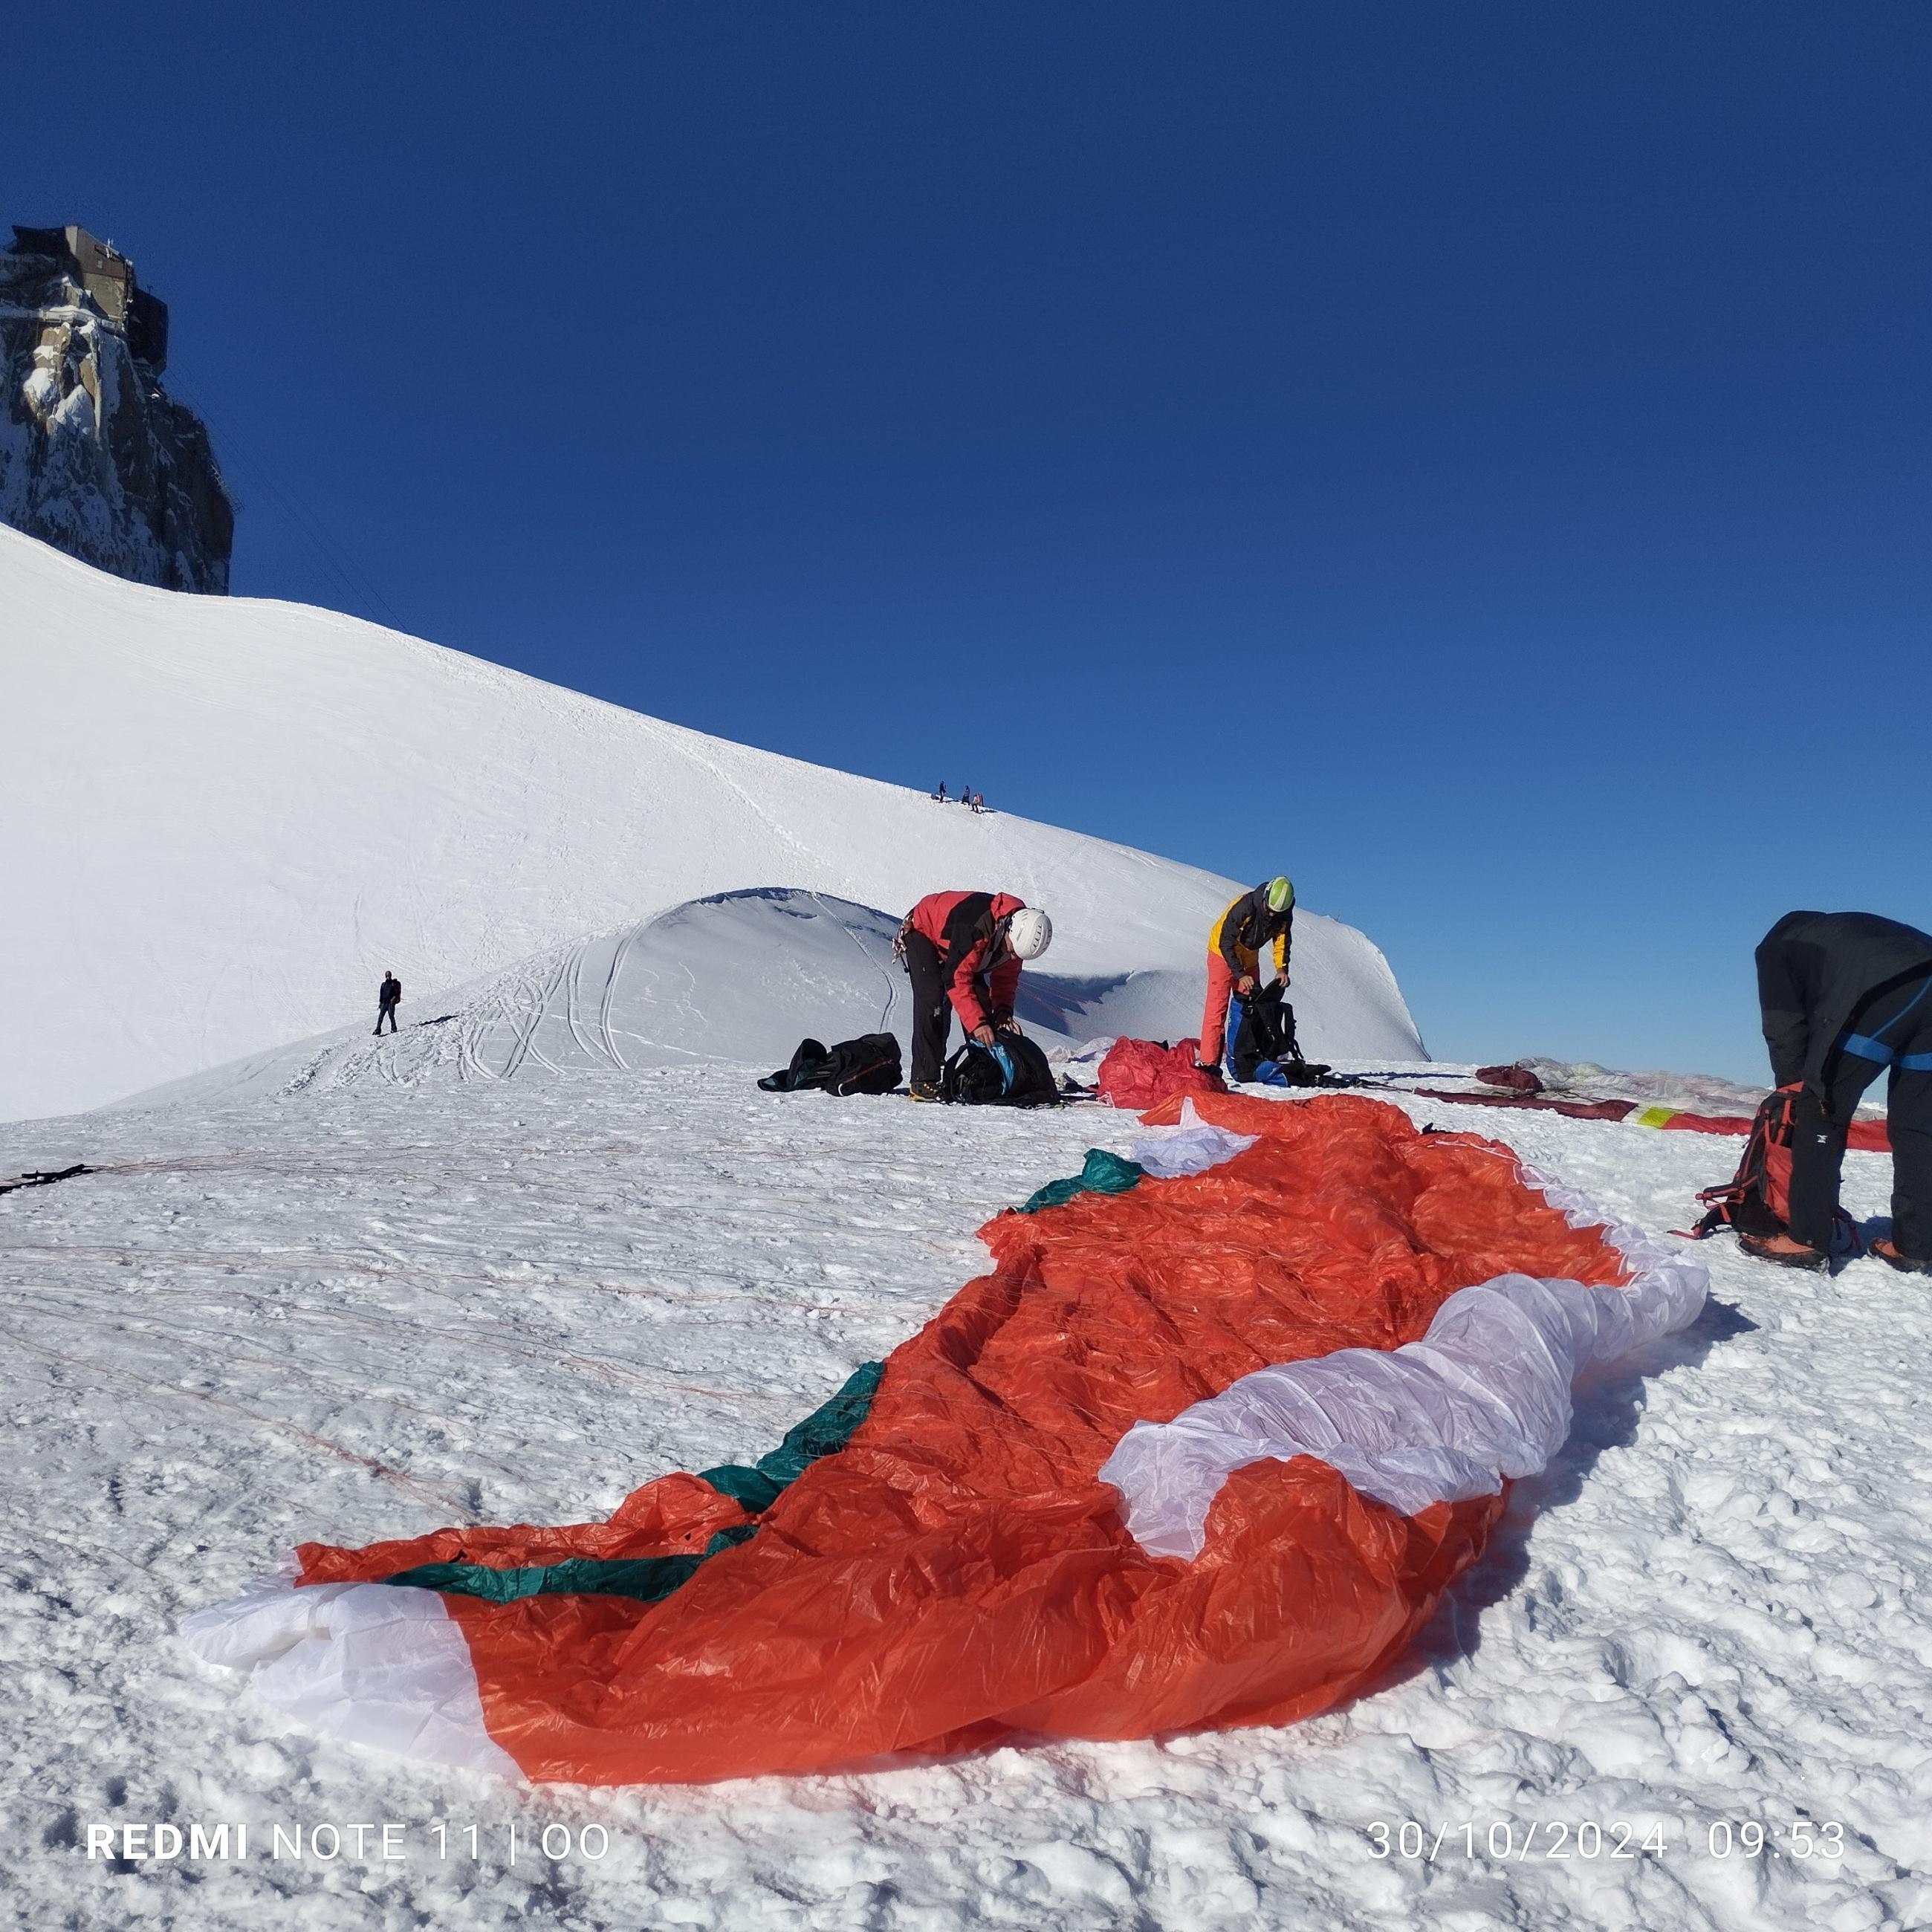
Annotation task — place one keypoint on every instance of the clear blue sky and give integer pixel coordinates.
(1472, 456)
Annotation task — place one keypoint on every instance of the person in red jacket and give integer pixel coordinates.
(963, 951)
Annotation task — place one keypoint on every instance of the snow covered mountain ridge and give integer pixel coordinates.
(96, 458)
(226, 818)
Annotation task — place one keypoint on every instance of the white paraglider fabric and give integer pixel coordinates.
(1192, 1147)
(1483, 1396)
(362, 1661)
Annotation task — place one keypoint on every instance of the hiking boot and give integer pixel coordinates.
(921, 1090)
(1783, 1249)
(1887, 1252)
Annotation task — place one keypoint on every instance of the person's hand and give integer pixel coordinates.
(1245, 985)
(984, 1035)
(1008, 1024)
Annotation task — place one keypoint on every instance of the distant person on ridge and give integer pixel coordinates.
(1843, 996)
(1263, 917)
(388, 998)
(964, 952)
(941, 793)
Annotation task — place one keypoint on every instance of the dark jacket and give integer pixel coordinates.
(1247, 926)
(389, 993)
(1815, 969)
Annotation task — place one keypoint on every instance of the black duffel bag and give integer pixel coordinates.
(869, 1064)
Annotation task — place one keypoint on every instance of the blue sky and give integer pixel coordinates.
(1473, 457)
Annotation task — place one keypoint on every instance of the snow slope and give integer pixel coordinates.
(366, 1311)
(742, 977)
(223, 819)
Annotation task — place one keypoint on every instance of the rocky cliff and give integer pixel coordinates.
(96, 458)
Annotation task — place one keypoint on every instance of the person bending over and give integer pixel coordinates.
(964, 952)
(1262, 918)
(1843, 997)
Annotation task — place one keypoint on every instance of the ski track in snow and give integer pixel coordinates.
(359, 1312)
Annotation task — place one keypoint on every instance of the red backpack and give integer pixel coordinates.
(1756, 1200)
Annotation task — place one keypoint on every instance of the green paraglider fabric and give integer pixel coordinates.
(649, 1579)
(1104, 1173)
(823, 1433)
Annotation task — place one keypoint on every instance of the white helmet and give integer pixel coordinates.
(1029, 933)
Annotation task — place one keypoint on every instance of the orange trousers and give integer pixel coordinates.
(1214, 1015)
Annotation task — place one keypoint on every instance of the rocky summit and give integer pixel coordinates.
(96, 457)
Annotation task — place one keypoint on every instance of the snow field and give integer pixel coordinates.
(277, 804)
(366, 1312)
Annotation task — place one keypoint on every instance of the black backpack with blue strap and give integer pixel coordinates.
(1261, 1046)
(1011, 1073)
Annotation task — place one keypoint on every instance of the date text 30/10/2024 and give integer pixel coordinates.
(1558, 1840)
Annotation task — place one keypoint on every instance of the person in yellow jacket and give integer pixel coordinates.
(1261, 918)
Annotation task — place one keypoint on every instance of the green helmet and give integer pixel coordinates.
(1280, 895)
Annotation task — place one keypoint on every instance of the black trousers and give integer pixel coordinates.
(932, 1009)
(388, 1012)
(1899, 1018)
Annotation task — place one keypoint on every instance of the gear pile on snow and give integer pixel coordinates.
(1141, 1073)
(1203, 1449)
(1261, 1045)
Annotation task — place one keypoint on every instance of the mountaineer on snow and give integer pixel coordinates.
(1262, 918)
(964, 952)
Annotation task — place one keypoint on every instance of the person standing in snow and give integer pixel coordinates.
(388, 998)
(1261, 918)
(1844, 995)
(964, 952)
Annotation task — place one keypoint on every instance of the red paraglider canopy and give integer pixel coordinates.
(956, 1571)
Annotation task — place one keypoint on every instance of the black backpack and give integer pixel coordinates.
(867, 1065)
(1264, 1047)
(1012, 1073)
